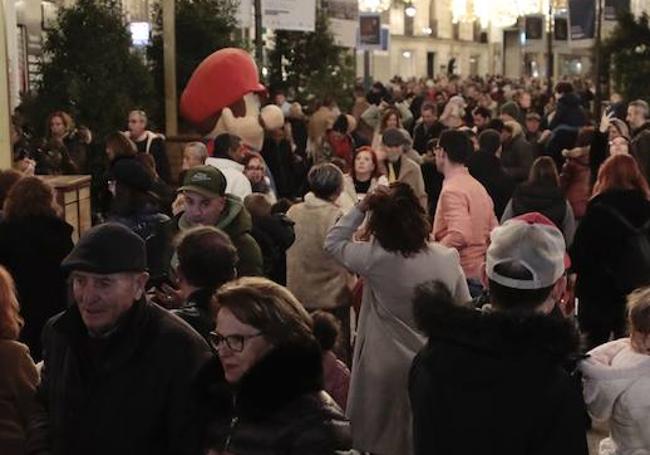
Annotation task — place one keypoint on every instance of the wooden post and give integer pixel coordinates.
(5, 115)
(169, 51)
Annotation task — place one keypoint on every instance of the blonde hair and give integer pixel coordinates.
(267, 306)
(10, 320)
(638, 307)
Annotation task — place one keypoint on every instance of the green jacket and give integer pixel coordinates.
(237, 223)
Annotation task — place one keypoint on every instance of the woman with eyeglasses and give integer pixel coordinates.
(272, 365)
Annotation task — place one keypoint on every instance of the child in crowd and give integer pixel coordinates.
(617, 383)
(336, 374)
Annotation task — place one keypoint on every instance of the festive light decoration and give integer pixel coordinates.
(374, 6)
(500, 13)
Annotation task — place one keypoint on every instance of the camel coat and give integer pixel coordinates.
(387, 340)
(316, 279)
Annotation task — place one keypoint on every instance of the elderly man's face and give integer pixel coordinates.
(103, 299)
(393, 153)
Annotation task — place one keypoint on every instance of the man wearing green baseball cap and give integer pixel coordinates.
(208, 204)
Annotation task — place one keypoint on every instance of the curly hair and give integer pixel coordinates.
(409, 235)
(386, 115)
(30, 196)
(10, 320)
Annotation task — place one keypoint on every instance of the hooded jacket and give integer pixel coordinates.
(569, 112)
(495, 383)
(617, 389)
(279, 407)
(237, 223)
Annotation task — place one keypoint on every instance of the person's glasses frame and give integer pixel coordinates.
(235, 342)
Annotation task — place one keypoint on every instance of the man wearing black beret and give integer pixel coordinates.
(120, 375)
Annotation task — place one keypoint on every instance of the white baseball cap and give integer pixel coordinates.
(533, 242)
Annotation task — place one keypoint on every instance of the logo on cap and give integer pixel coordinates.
(200, 177)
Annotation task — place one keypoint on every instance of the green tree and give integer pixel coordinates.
(202, 27)
(626, 56)
(312, 65)
(89, 69)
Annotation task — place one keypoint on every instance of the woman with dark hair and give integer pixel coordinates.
(274, 401)
(610, 248)
(541, 193)
(136, 206)
(33, 242)
(337, 142)
(19, 376)
(364, 174)
(392, 264)
(390, 118)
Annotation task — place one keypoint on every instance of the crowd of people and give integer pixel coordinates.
(454, 266)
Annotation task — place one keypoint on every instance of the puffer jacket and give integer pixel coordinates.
(279, 407)
(617, 389)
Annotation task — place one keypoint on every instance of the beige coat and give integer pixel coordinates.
(387, 339)
(314, 277)
(411, 174)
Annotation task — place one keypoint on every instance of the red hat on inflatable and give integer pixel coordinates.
(220, 80)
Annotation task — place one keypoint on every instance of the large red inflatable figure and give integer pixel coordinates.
(224, 96)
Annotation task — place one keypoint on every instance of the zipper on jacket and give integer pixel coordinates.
(233, 423)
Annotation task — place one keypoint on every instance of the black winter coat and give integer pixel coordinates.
(599, 236)
(140, 391)
(495, 383)
(274, 234)
(486, 168)
(279, 408)
(545, 199)
(569, 112)
(640, 148)
(423, 134)
(32, 249)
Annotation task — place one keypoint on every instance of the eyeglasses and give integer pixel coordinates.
(234, 342)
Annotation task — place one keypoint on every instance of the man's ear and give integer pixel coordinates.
(141, 283)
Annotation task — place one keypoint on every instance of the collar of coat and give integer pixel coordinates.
(285, 374)
(118, 346)
(500, 333)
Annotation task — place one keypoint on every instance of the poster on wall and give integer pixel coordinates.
(582, 17)
(534, 27)
(344, 20)
(613, 8)
(298, 15)
(369, 31)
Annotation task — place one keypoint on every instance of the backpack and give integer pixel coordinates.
(629, 266)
